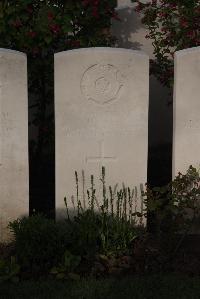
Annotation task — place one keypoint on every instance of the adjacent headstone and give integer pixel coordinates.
(14, 201)
(101, 119)
(186, 137)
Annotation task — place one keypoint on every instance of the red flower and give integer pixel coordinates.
(50, 16)
(165, 42)
(32, 34)
(85, 2)
(173, 5)
(17, 23)
(164, 29)
(29, 9)
(115, 16)
(35, 51)
(95, 12)
(172, 54)
(55, 28)
(139, 7)
(191, 34)
(162, 14)
(75, 43)
(183, 22)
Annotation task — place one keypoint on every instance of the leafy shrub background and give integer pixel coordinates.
(173, 25)
(39, 242)
(95, 237)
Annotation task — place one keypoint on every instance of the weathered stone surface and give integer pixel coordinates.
(14, 201)
(101, 119)
(186, 133)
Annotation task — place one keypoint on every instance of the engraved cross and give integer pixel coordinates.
(102, 158)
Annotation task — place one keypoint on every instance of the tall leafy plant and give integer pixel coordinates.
(176, 209)
(105, 222)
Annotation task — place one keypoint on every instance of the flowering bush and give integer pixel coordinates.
(33, 26)
(173, 25)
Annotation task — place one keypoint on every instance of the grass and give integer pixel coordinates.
(146, 287)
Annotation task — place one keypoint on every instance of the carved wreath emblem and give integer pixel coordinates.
(101, 83)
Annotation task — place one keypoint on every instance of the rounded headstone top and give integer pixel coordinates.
(101, 49)
(187, 51)
(5, 52)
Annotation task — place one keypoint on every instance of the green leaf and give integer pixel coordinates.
(54, 270)
(48, 39)
(74, 276)
(61, 276)
(103, 257)
(15, 279)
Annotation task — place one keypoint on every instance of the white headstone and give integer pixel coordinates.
(14, 201)
(101, 118)
(186, 137)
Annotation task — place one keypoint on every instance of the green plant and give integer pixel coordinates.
(176, 208)
(66, 269)
(107, 227)
(39, 242)
(173, 25)
(9, 270)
